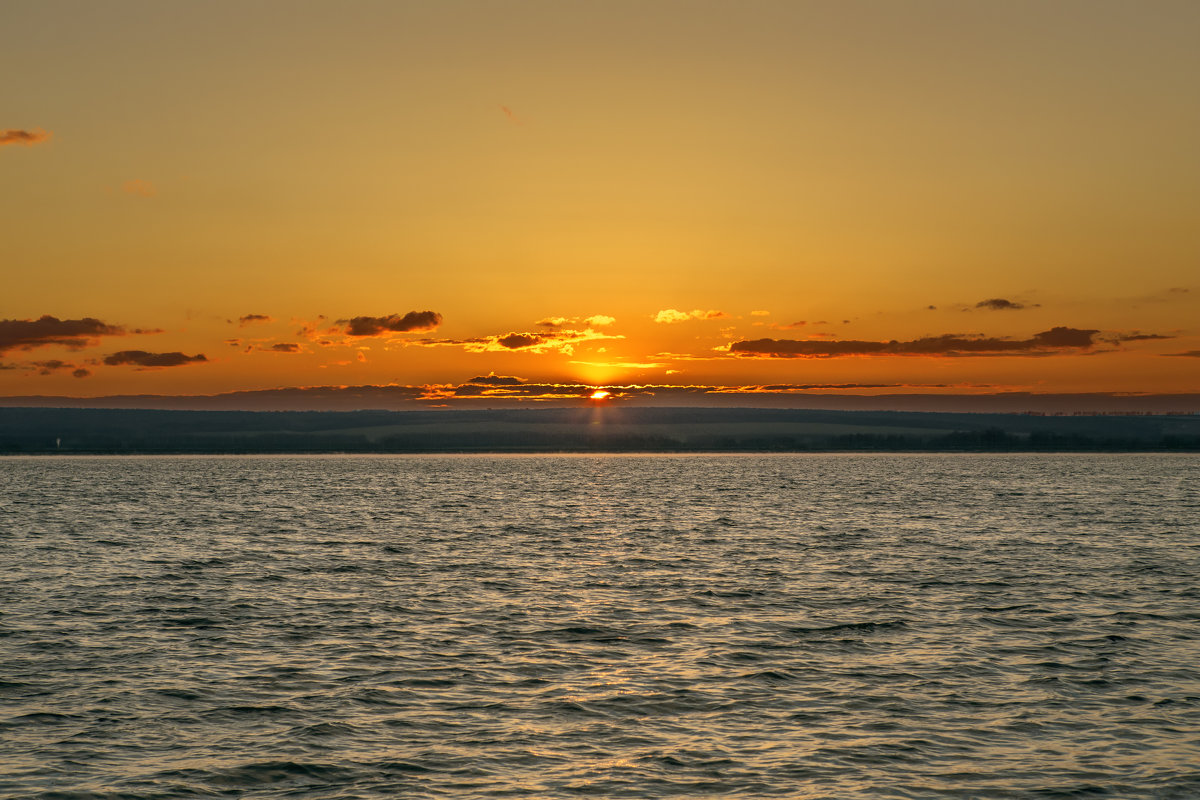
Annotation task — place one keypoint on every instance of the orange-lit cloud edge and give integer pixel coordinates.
(32, 348)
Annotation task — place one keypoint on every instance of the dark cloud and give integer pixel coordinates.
(1186, 354)
(999, 304)
(144, 360)
(18, 136)
(251, 319)
(284, 347)
(563, 341)
(25, 334)
(81, 373)
(516, 341)
(51, 366)
(492, 379)
(1138, 337)
(393, 323)
(1058, 338)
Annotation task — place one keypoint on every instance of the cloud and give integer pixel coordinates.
(139, 187)
(790, 326)
(760, 313)
(23, 137)
(81, 373)
(671, 315)
(393, 323)
(1137, 336)
(144, 360)
(25, 334)
(562, 341)
(282, 347)
(253, 319)
(51, 366)
(1186, 354)
(519, 341)
(508, 112)
(999, 304)
(1043, 343)
(594, 321)
(492, 379)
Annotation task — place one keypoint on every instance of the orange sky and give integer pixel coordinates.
(902, 197)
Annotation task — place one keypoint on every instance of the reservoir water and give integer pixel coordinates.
(808, 626)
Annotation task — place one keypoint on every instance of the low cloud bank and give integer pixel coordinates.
(1058, 339)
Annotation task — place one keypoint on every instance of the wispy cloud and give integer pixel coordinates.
(17, 136)
(51, 366)
(537, 342)
(594, 321)
(561, 341)
(139, 187)
(622, 364)
(671, 315)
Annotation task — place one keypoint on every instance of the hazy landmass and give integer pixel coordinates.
(584, 429)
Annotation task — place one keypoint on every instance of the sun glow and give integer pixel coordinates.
(600, 394)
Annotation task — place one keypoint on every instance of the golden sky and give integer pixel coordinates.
(917, 196)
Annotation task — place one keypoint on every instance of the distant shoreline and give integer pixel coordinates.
(46, 431)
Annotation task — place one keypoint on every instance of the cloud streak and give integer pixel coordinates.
(1058, 339)
(999, 304)
(670, 315)
(561, 341)
(144, 360)
(17, 136)
(254, 319)
(74, 334)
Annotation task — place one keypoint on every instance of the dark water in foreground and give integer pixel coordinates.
(798, 626)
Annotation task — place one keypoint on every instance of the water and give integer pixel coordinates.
(804, 626)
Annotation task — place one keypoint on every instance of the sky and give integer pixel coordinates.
(529, 201)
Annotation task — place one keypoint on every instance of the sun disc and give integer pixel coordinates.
(600, 394)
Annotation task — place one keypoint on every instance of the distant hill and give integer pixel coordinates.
(584, 429)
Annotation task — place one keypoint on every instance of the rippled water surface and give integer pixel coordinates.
(611, 626)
